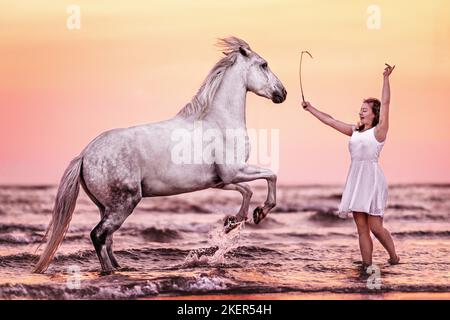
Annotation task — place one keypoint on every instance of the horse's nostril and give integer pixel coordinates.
(278, 96)
(284, 92)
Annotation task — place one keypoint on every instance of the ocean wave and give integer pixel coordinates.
(406, 207)
(19, 239)
(315, 236)
(26, 260)
(425, 234)
(421, 185)
(4, 227)
(286, 208)
(267, 223)
(20, 206)
(20, 260)
(113, 287)
(86, 255)
(328, 216)
(333, 196)
(253, 252)
(438, 199)
(17, 199)
(152, 252)
(154, 234)
(63, 292)
(195, 227)
(26, 187)
(206, 283)
(19, 234)
(119, 287)
(297, 207)
(28, 234)
(419, 216)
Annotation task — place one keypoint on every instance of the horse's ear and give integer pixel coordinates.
(243, 52)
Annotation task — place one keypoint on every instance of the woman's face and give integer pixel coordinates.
(366, 115)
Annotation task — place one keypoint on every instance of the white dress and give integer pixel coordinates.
(366, 188)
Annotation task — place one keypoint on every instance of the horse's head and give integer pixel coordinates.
(257, 74)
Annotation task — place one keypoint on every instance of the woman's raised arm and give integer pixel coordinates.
(340, 126)
(382, 128)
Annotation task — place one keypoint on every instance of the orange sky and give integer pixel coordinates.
(135, 62)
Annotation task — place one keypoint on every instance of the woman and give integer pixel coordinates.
(365, 191)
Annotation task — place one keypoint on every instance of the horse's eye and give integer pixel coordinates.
(264, 65)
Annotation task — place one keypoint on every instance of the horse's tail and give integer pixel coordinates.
(62, 213)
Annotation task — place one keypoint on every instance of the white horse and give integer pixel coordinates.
(121, 166)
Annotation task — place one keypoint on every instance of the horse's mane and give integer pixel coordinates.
(204, 96)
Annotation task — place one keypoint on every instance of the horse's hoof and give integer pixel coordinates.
(230, 223)
(106, 272)
(229, 219)
(258, 215)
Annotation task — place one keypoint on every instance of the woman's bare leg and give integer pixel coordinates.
(385, 238)
(365, 242)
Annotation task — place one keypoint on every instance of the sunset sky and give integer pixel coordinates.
(134, 62)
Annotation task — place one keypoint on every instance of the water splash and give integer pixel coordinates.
(224, 242)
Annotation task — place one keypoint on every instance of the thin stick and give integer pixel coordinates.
(300, 72)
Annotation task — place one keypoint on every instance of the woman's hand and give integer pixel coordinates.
(359, 126)
(388, 70)
(306, 105)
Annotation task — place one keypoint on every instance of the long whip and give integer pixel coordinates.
(300, 72)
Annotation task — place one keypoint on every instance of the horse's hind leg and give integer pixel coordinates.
(101, 235)
(109, 244)
(109, 250)
(109, 238)
(101, 208)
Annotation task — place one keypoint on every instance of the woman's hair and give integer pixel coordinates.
(375, 104)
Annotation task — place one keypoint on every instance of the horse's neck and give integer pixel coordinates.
(228, 105)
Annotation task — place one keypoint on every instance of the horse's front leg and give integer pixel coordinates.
(249, 173)
(261, 212)
(232, 222)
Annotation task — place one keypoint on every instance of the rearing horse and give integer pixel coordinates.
(121, 166)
